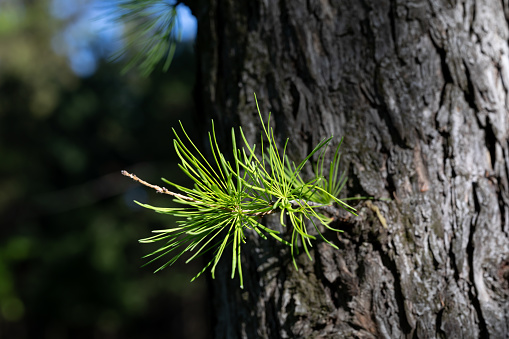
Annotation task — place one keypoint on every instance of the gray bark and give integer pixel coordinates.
(419, 89)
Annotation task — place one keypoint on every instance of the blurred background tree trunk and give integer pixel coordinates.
(419, 90)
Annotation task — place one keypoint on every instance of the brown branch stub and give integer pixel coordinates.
(155, 187)
(258, 214)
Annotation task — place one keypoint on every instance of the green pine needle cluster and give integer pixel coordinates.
(230, 198)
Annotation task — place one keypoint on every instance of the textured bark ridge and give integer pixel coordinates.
(419, 89)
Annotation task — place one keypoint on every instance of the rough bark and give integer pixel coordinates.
(419, 89)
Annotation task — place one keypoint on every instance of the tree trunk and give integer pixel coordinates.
(419, 89)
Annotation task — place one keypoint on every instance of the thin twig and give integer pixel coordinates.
(258, 214)
(157, 188)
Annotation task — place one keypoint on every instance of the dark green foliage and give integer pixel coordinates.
(68, 265)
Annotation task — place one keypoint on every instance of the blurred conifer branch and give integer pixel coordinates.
(151, 32)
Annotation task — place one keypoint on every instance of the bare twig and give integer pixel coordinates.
(157, 188)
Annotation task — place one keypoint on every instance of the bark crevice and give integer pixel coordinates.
(483, 331)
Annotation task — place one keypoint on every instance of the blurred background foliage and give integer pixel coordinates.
(69, 122)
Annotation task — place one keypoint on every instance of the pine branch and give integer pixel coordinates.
(229, 197)
(164, 190)
(332, 210)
